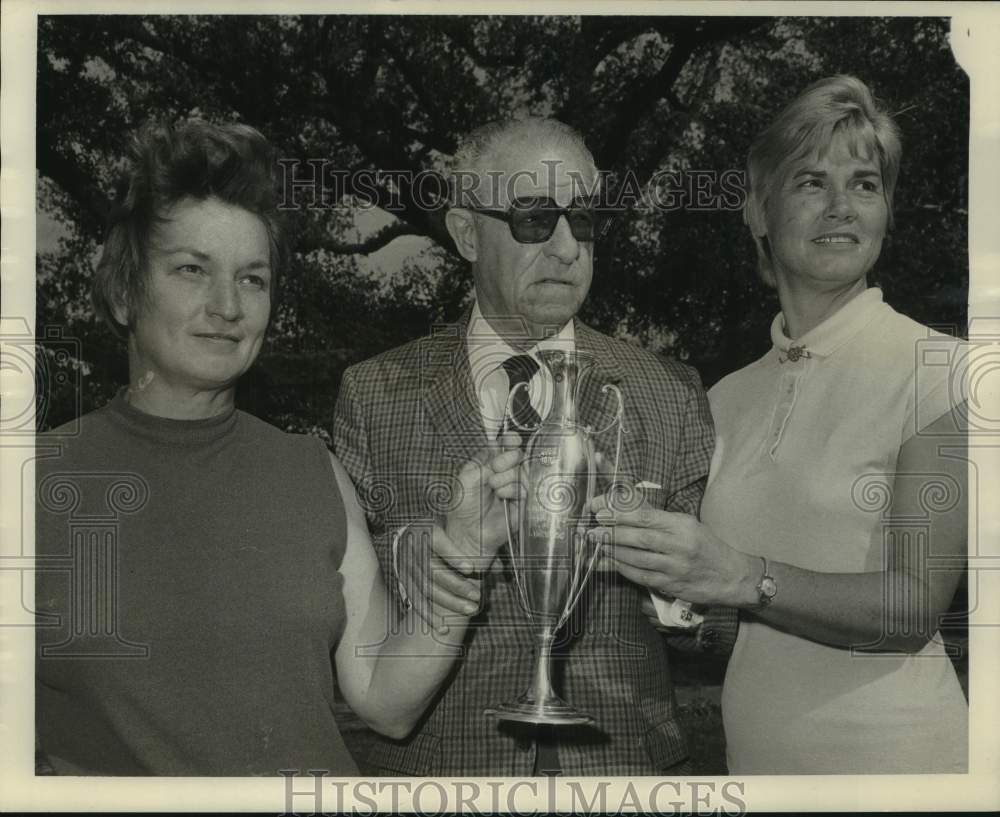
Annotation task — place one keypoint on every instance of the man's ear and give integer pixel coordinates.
(462, 229)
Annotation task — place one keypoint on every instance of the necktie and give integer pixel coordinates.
(520, 369)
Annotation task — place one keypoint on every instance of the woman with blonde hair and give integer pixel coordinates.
(835, 514)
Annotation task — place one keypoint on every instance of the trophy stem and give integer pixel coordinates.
(540, 704)
(543, 667)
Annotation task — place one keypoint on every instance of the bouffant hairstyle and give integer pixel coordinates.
(165, 164)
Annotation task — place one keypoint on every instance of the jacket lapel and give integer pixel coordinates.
(449, 400)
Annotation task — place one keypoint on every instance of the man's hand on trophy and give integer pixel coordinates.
(477, 526)
(674, 554)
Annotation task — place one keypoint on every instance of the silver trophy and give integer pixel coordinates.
(551, 557)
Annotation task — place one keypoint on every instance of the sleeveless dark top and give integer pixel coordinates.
(189, 597)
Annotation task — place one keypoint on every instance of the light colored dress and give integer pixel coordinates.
(803, 471)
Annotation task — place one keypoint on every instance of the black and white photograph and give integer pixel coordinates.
(534, 407)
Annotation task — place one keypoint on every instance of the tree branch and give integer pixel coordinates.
(375, 130)
(428, 102)
(381, 238)
(688, 36)
(461, 35)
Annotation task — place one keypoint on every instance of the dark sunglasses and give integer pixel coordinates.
(533, 220)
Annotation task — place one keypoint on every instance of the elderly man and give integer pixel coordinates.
(406, 418)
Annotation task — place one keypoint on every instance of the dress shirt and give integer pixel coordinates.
(487, 352)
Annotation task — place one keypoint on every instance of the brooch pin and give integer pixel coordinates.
(796, 353)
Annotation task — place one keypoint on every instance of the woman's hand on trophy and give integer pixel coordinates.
(618, 493)
(435, 589)
(441, 577)
(675, 555)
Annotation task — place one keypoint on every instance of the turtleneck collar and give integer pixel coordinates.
(823, 340)
(169, 431)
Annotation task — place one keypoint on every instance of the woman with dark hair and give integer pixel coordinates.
(835, 513)
(201, 630)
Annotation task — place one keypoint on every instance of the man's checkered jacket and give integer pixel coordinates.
(405, 421)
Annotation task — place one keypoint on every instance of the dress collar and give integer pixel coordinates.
(823, 340)
(168, 431)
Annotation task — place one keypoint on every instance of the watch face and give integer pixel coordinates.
(768, 587)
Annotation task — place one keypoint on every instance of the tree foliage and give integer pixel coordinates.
(396, 93)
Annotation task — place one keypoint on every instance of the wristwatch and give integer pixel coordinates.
(767, 589)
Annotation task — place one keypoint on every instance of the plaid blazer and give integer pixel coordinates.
(405, 421)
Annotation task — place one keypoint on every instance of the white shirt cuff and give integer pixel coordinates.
(676, 613)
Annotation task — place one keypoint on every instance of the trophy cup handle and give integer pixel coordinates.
(619, 415)
(509, 409)
(514, 562)
(576, 589)
(578, 584)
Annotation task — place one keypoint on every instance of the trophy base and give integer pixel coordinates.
(551, 712)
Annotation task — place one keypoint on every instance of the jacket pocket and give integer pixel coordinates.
(415, 756)
(665, 744)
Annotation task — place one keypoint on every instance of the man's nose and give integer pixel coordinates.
(224, 300)
(562, 243)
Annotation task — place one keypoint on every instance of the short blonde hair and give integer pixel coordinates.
(835, 105)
